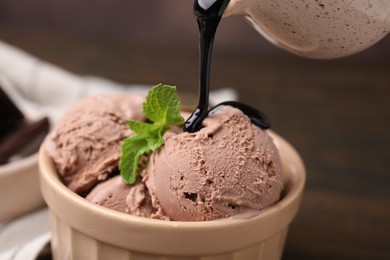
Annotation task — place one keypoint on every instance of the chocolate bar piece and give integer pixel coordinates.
(10, 116)
(21, 136)
(16, 132)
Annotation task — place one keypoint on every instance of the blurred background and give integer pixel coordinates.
(335, 112)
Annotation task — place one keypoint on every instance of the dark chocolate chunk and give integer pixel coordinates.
(10, 116)
(14, 141)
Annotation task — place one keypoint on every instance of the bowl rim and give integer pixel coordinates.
(19, 165)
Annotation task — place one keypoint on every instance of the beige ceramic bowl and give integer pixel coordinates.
(82, 230)
(19, 182)
(19, 188)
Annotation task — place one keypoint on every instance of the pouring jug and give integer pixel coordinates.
(317, 28)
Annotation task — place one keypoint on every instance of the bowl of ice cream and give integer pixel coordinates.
(19, 188)
(215, 223)
(19, 176)
(21, 134)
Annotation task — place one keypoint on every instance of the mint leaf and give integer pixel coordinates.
(142, 128)
(132, 149)
(152, 133)
(162, 107)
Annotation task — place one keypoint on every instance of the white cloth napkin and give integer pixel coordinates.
(40, 88)
(24, 238)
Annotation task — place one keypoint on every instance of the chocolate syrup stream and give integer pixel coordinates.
(208, 14)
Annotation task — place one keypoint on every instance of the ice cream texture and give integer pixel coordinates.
(227, 168)
(117, 195)
(85, 144)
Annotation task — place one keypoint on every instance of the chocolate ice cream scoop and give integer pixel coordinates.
(86, 143)
(228, 167)
(117, 195)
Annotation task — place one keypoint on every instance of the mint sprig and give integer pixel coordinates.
(162, 107)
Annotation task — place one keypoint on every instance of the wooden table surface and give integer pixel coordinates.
(336, 113)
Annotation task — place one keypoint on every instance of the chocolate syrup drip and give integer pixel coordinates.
(208, 14)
